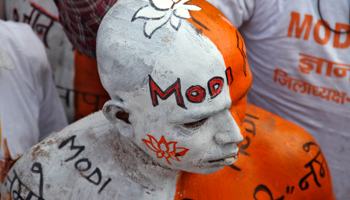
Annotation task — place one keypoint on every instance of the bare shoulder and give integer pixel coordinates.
(272, 128)
(65, 163)
(286, 155)
(277, 160)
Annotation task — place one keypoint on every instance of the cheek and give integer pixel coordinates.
(148, 121)
(202, 141)
(165, 149)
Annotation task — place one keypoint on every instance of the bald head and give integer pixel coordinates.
(128, 50)
(169, 75)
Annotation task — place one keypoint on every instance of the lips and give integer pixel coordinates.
(228, 160)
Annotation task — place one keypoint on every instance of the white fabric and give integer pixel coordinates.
(59, 50)
(264, 25)
(30, 108)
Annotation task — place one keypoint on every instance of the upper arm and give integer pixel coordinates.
(286, 156)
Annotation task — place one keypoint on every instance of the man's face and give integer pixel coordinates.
(184, 88)
(182, 117)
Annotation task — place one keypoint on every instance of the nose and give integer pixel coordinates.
(228, 130)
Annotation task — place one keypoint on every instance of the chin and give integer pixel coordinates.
(204, 170)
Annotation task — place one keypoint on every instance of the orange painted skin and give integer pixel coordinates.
(90, 94)
(273, 160)
(213, 24)
(278, 160)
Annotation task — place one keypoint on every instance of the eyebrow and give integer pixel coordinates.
(209, 114)
(204, 115)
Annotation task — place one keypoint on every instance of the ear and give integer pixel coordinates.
(114, 111)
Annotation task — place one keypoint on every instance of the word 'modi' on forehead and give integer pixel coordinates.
(194, 94)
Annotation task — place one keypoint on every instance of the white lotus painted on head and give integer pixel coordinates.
(159, 12)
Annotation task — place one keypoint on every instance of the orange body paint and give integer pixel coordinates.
(89, 92)
(277, 160)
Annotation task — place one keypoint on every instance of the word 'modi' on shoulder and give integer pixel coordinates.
(321, 33)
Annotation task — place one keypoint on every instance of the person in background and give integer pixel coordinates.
(30, 109)
(75, 74)
(298, 52)
(2, 9)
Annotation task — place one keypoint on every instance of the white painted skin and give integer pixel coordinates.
(126, 58)
(168, 55)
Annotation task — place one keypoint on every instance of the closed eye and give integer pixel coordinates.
(196, 124)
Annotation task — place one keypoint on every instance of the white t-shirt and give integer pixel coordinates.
(42, 16)
(301, 70)
(30, 108)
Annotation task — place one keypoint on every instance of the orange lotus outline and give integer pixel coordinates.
(165, 149)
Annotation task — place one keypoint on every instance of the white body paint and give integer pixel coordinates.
(127, 58)
(173, 54)
(61, 180)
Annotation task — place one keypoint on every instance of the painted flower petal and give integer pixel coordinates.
(191, 7)
(162, 4)
(149, 145)
(161, 141)
(174, 158)
(175, 22)
(148, 12)
(180, 151)
(152, 25)
(183, 13)
(183, 1)
(164, 147)
(167, 159)
(172, 146)
(150, 142)
(160, 154)
(167, 155)
(154, 142)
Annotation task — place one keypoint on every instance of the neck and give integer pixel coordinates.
(142, 169)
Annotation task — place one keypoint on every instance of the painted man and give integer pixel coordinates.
(178, 77)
